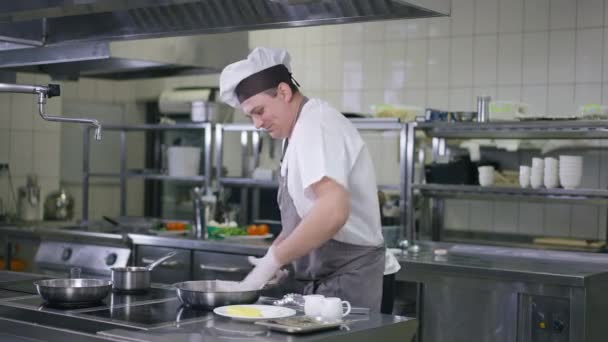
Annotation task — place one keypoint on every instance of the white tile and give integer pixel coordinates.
(485, 69)
(352, 101)
(313, 35)
(332, 34)
(562, 14)
(374, 31)
(536, 98)
(21, 153)
(438, 98)
(396, 30)
(589, 55)
(484, 91)
(509, 93)
(123, 91)
(5, 145)
(481, 215)
(393, 64)
(415, 97)
(26, 78)
(333, 73)
(371, 98)
(536, 49)
(461, 99)
(530, 220)
(461, 58)
(353, 67)
(278, 38)
(584, 221)
(395, 96)
(536, 15)
(86, 89)
(510, 55)
(506, 215)
(590, 13)
(5, 110)
(456, 214)
(417, 28)
(439, 27)
(556, 220)
(352, 33)
(587, 94)
(561, 100)
(438, 62)
(103, 90)
(373, 65)
(416, 63)
(463, 13)
(511, 18)
(22, 111)
(561, 56)
(486, 16)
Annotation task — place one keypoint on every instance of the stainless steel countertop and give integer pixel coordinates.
(248, 247)
(362, 329)
(538, 266)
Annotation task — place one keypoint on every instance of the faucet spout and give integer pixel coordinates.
(42, 111)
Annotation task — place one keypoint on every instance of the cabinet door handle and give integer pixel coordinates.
(172, 264)
(222, 269)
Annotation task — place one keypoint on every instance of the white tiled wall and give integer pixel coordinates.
(550, 54)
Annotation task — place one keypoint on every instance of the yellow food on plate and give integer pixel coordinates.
(244, 311)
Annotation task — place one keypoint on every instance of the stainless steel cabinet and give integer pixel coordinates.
(171, 271)
(213, 265)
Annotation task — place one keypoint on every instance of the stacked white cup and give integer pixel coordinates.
(486, 175)
(524, 176)
(570, 171)
(550, 176)
(537, 172)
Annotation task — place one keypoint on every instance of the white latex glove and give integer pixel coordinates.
(278, 277)
(265, 270)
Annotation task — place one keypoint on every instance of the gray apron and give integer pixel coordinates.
(335, 269)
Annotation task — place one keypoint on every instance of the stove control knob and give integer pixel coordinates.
(111, 259)
(67, 254)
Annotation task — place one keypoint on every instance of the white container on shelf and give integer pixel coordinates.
(486, 175)
(524, 176)
(184, 161)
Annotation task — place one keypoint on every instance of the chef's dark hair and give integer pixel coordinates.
(265, 81)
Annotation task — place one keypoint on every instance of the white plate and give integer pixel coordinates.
(267, 312)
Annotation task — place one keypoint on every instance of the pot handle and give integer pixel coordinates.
(159, 261)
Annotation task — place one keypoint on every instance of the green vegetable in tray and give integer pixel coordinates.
(220, 232)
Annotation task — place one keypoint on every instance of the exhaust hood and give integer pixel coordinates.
(146, 58)
(71, 38)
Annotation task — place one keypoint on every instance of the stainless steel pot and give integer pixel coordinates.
(207, 294)
(135, 279)
(69, 292)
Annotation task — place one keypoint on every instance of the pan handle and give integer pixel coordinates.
(172, 264)
(223, 269)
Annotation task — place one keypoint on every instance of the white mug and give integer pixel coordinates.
(313, 305)
(334, 309)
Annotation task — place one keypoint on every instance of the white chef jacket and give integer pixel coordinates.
(324, 143)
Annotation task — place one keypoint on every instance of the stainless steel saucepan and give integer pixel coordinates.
(135, 279)
(208, 294)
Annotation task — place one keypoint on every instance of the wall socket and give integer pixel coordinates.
(3, 167)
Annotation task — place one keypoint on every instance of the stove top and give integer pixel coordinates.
(24, 286)
(112, 300)
(150, 315)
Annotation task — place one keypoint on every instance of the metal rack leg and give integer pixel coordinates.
(123, 173)
(409, 172)
(207, 148)
(85, 174)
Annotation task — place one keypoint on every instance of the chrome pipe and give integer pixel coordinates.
(45, 116)
(43, 93)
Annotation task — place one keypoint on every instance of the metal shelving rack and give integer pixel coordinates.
(495, 130)
(125, 174)
(249, 132)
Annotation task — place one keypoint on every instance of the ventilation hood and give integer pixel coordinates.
(88, 37)
(146, 58)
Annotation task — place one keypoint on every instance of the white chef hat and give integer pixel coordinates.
(263, 69)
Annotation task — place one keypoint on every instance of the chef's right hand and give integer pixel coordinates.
(278, 276)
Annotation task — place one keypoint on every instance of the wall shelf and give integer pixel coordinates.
(564, 129)
(510, 193)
